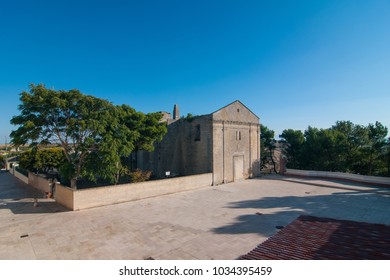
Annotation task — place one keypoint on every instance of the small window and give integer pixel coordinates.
(238, 135)
(197, 132)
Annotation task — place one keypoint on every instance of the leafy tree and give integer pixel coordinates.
(82, 125)
(47, 159)
(294, 140)
(364, 147)
(345, 147)
(349, 143)
(95, 135)
(148, 127)
(331, 154)
(267, 142)
(27, 160)
(386, 157)
(190, 117)
(375, 146)
(42, 160)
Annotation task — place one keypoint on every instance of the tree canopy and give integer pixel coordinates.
(294, 140)
(345, 147)
(267, 142)
(42, 160)
(94, 133)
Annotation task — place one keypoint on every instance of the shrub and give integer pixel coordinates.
(140, 175)
(42, 160)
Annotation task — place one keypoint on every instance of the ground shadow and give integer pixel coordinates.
(347, 186)
(342, 184)
(29, 206)
(273, 213)
(21, 198)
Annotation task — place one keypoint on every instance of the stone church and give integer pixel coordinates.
(225, 143)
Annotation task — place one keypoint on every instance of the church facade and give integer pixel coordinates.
(225, 143)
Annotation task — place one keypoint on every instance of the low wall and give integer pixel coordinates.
(100, 196)
(64, 196)
(39, 182)
(19, 175)
(385, 181)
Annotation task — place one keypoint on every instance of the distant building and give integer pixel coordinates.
(225, 143)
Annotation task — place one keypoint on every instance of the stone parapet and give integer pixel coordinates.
(101, 196)
(385, 181)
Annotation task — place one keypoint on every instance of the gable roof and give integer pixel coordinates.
(239, 102)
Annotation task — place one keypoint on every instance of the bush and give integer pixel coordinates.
(140, 176)
(2, 161)
(42, 160)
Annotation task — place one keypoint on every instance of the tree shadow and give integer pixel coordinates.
(13, 188)
(342, 184)
(273, 213)
(21, 198)
(30, 206)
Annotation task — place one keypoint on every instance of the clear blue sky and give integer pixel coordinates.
(293, 63)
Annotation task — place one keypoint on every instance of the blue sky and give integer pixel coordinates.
(293, 63)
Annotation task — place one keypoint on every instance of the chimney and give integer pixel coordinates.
(176, 114)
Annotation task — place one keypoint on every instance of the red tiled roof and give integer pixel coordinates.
(310, 237)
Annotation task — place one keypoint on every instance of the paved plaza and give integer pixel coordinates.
(221, 222)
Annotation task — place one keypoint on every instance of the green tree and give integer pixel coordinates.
(148, 127)
(50, 158)
(348, 144)
(386, 157)
(376, 147)
(267, 143)
(345, 147)
(294, 140)
(42, 160)
(27, 160)
(331, 150)
(365, 147)
(82, 125)
(142, 131)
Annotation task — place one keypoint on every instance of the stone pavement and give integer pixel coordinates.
(221, 222)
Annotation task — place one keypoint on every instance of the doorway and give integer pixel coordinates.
(238, 167)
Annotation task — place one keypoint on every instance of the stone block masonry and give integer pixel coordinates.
(101, 196)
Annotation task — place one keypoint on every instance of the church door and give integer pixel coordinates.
(238, 168)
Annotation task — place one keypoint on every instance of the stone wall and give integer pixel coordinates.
(236, 112)
(95, 197)
(226, 143)
(236, 144)
(39, 182)
(385, 181)
(18, 175)
(65, 196)
(185, 149)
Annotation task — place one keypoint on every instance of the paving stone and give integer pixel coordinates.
(211, 223)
